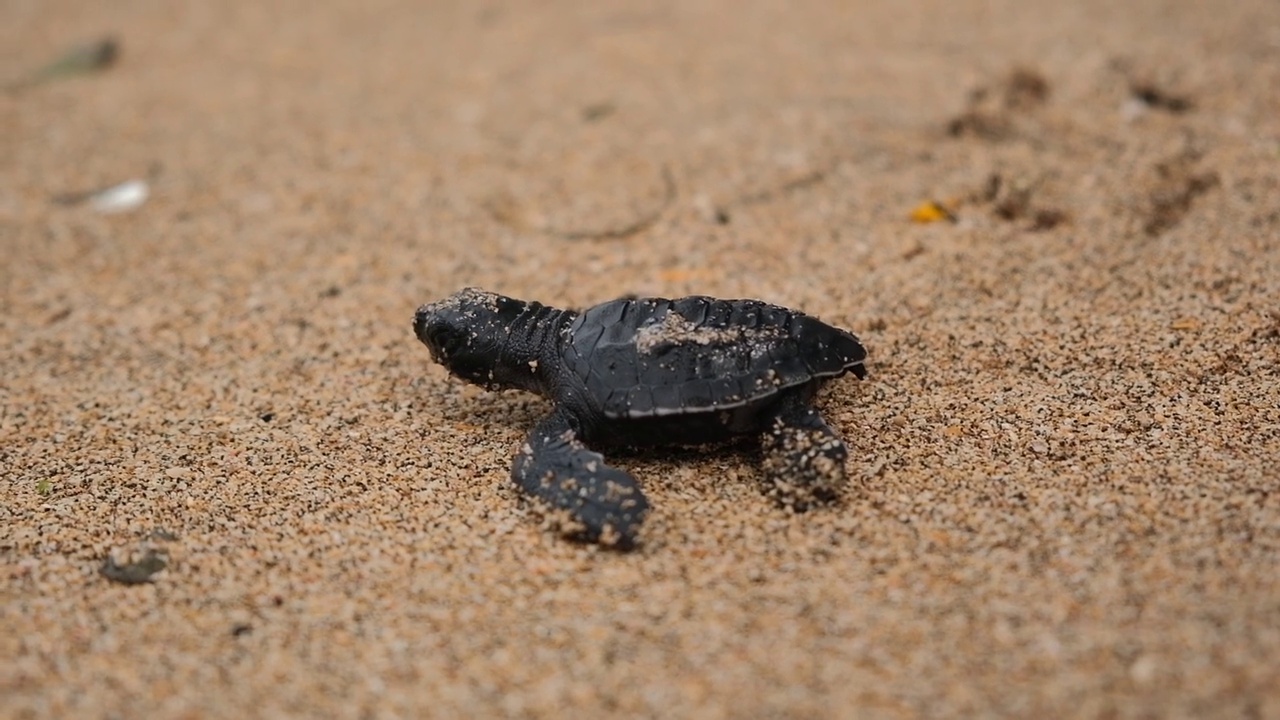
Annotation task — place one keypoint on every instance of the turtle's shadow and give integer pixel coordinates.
(517, 413)
(744, 448)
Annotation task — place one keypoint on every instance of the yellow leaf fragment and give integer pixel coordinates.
(931, 211)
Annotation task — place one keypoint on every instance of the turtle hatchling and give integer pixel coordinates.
(644, 372)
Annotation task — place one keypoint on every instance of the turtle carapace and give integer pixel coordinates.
(644, 372)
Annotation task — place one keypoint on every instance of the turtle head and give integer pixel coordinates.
(481, 337)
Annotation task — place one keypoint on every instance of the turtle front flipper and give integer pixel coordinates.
(803, 457)
(585, 498)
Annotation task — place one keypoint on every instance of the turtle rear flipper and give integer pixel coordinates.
(803, 457)
(586, 498)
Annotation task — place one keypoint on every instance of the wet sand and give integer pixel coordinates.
(1063, 495)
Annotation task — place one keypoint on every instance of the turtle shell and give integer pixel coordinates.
(653, 356)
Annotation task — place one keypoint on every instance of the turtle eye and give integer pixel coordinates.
(453, 342)
(447, 341)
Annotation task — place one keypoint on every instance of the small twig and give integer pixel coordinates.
(808, 179)
(81, 59)
(813, 177)
(640, 224)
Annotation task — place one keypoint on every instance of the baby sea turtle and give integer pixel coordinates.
(645, 372)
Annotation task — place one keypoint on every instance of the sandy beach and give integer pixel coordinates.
(233, 484)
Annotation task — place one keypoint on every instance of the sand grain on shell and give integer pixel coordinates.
(1062, 496)
(675, 329)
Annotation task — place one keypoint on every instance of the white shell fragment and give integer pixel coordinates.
(121, 198)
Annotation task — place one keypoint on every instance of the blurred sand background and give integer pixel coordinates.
(1064, 495)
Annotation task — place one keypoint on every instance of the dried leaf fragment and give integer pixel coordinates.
(931, 211)
(133, 573)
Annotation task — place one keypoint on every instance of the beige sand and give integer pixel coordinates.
(1064, 492)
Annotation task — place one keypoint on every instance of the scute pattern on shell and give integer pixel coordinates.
(653, 356)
